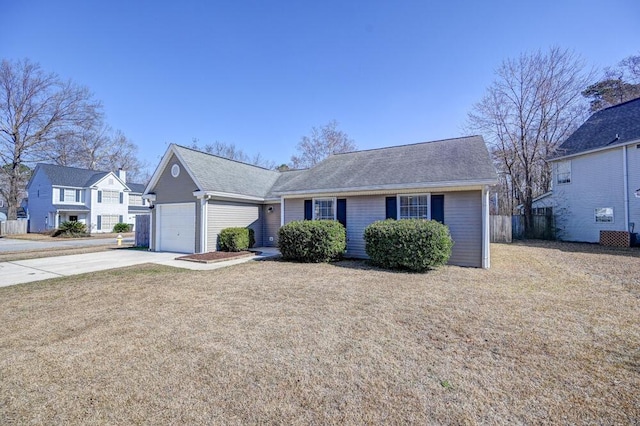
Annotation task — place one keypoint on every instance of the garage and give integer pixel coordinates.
(176, 227)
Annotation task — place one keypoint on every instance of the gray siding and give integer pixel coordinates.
(223, 215)
(174, 190)
(596, 181)
(40, 202)
(463, 216)
(270, 225)
(361, 212)
(177, 190)
(294, 209)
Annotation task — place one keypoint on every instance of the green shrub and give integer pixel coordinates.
(122, 227)
(70, 229)
(413, 244)
(312, 240)
(236, 239)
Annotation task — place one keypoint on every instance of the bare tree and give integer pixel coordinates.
(322, 142)
(618, 85)
(35, 108)
(530, 109)
(232, 152)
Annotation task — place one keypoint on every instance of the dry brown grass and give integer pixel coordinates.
(12, 256)
(549, 335)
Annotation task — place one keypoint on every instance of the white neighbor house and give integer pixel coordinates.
(596, 176)
(98, 199)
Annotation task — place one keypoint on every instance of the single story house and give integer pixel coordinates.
(195, 195)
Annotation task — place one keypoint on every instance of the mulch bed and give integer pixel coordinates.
(217, 256)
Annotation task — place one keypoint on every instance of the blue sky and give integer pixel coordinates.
(260, 74)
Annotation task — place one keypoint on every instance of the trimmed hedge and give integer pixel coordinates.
(236, 239)
(122, 227)
(413, 244)
(312, 240)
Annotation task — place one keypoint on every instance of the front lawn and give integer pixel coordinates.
(550, 334)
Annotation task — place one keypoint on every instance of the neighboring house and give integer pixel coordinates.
(596, 176)
(195, 195)
(98, 199)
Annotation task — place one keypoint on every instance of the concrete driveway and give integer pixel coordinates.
(10, 244)
(24, 271)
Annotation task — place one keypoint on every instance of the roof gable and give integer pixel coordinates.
(462, 161)
(217, 174)
(615, 125)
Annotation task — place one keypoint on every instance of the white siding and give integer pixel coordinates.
(596, 181)
(105, 208)
(221, 215)
(463, 216)
(634, 184)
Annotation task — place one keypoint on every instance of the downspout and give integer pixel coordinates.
(152, 232)
(282, 211)
(625, 175)
(203, 224)
(486, 259)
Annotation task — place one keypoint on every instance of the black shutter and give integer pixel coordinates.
(392, 207)
(77, 195)
(99, 198)
(341, 212)
(99, 222)
(61, 194)
(121, 197)
(437, 208)
(120, 220)
(308, 209)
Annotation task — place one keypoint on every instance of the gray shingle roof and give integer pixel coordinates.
(71, 176)
(452, 160)
(601, 129)
(215, 173)
(136, 188)
(77, 177)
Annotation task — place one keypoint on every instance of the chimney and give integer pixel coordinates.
(122, 175)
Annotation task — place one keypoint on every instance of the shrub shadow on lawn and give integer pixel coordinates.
(350, 263)
(574, 247)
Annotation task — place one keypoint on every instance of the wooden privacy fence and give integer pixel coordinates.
(13, 227)
(543, 228)
(143, 229)
(500, 229)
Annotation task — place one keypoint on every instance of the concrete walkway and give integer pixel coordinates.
(24, 271)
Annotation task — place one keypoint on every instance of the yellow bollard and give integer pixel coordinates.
(119, 238)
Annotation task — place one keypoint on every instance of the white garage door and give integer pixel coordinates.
(176, 227)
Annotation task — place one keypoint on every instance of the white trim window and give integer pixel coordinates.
(110, 197)
(324, 209)
(136, 200)
(413, 206)
(563, 172)
(108, 221)
(604, 215)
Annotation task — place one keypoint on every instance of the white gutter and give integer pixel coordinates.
(393, 187)
(625, 176)
(220, 194)
(486, 258)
